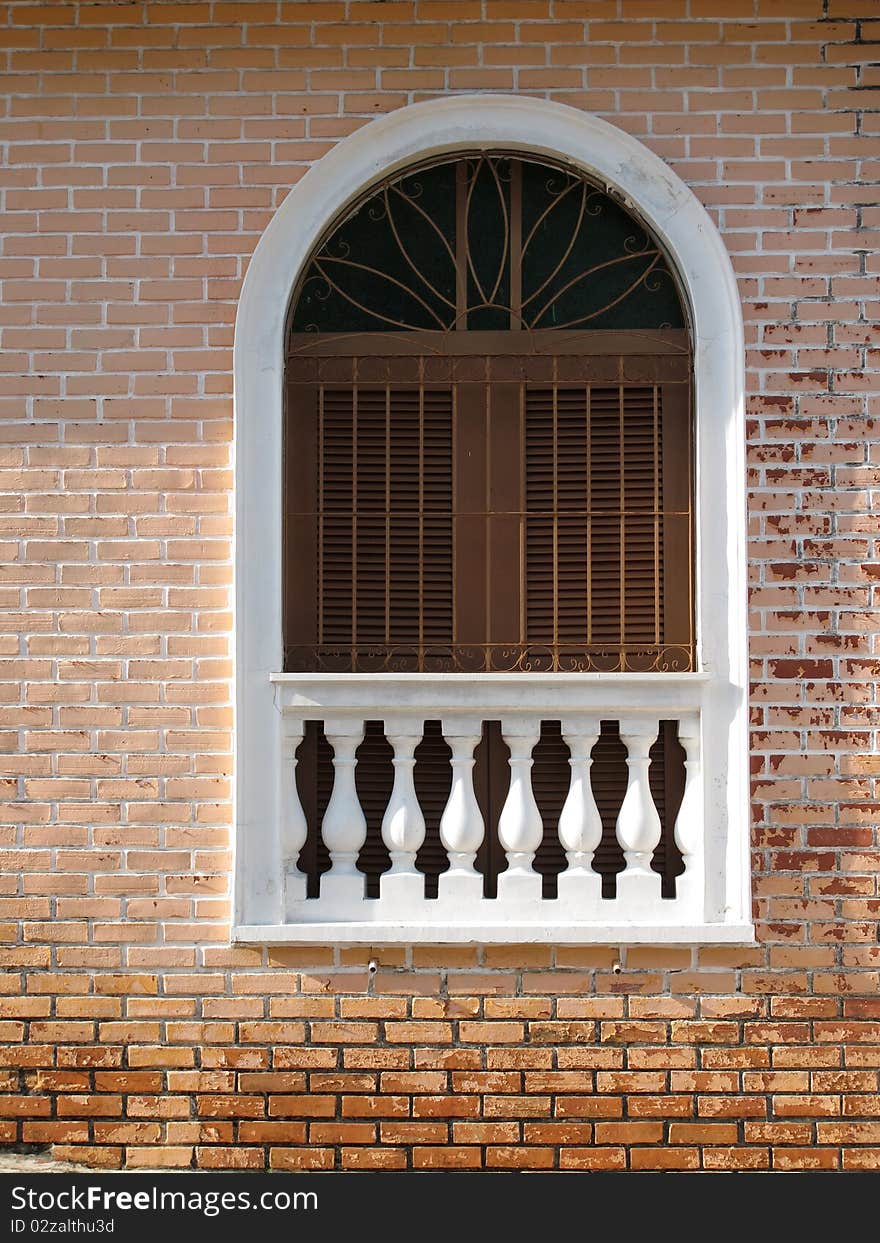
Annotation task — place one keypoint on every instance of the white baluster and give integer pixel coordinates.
(690, 886)
(520, 827)
(580, 825)
(403, 825)
(294, 829)
(461, 825)
(344, 828)
(638, 824)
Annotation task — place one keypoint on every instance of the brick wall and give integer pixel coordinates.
(147, 146)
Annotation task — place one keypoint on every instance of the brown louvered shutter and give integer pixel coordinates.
(386, 458)
(373, 541)
(596, 526)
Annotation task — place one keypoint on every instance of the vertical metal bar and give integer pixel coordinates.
(421, 655)
(321, 508)
(523, 578)
(690, 451)
(487, 506)
(656, 468)
(454, 493)
(515, 245)
(588, 568)
(621, 449)
(461, 243)
(354, 520)
(387, 514)
(555, 520)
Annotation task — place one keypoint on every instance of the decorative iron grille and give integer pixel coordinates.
(487, 242)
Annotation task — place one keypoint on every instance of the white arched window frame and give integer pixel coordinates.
(718, 908)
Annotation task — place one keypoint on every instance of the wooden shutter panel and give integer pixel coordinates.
(595, 527)
(375, 550)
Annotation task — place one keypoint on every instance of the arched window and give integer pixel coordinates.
(491, 674)
(488, 468)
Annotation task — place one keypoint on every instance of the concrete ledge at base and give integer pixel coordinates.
(365, 933)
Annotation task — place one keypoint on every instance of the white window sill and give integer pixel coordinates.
(489, 933)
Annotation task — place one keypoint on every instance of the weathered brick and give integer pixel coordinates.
(132, 1033)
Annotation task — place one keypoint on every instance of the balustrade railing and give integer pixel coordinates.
(343, 704)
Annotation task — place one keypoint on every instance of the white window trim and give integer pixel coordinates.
(655, 193)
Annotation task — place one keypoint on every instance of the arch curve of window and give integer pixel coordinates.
(509, 247)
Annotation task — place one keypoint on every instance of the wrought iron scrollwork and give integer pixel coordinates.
(487, 241)
(489, 658)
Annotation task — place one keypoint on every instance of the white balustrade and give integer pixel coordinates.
(461, 825)
(403, 825)
(460, 912)
(294, 827)
(638, 824)
(520, 827)
(344, 827)
(580, 825)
